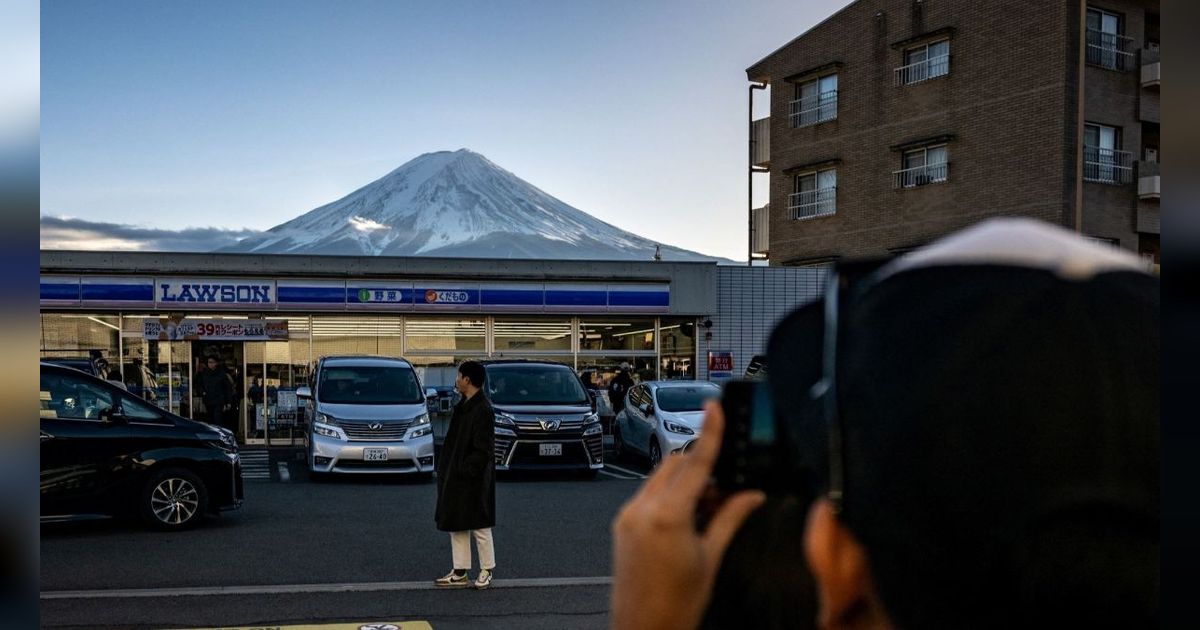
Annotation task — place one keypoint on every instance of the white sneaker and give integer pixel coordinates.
(484, 579)
(451, 580)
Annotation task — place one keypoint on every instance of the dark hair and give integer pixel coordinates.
(473, 371)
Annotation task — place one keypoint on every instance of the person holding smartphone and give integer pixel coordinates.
(990, 456)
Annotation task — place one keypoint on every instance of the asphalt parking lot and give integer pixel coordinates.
(346, 549)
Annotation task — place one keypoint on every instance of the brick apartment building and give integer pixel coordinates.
(894, 122)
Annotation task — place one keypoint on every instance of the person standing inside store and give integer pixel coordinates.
(216, 390)
(618, 387)
(466, 481)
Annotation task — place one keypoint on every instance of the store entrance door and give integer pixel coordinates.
(217, 394)
(274, 416)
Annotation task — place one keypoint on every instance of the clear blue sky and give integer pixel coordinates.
(247, 114)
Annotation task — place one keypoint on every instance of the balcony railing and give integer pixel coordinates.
(923, 70)
(813, 203)
(814, 109)
(1109, 50)
(760, 137)
(921, 175)
(761, 242)
(1151, 67)
(1149, 181)
(1107, 166)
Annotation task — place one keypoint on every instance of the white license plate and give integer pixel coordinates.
(549, 449)
(374, 454)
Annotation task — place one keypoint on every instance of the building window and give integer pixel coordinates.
(924, 62)
(1103, 159)
(1107, 46)
(814, 194)
(816, 101)
(927, 165)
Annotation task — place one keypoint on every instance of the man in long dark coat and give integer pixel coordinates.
(466, 480)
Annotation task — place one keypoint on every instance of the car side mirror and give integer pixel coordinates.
(303, 392)
(431, 392)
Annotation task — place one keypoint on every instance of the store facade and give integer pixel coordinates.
(156, 318)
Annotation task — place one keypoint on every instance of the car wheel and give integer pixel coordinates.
(655, 453)
(618, 442)
(173, 499)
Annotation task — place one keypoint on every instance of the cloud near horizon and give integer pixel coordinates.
(80, 234)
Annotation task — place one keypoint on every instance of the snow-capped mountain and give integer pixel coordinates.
(455, 204)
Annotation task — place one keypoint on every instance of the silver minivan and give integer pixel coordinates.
(369, 415)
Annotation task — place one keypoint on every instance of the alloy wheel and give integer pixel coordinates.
(174, 501)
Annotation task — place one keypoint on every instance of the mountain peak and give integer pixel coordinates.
(455, 203)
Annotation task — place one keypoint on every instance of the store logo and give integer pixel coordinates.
(215, 293)
(446, 297)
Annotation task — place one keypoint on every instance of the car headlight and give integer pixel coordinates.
(328, 430)
(674, 427)
(327, 419)
(592, 418)
(421, 419)
(505, 432)
(421, 431)
(594, 429)
(505, 419)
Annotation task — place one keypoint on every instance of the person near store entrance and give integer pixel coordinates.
(215, 386)
(141, 381)
(466, 481)
(618, 387)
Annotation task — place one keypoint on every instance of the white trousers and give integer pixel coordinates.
(460, 545)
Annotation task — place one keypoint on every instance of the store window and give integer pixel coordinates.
(525, 334)
(360, 334)
(92, 338)
(616, 334)
(678, 349)
(448, 335)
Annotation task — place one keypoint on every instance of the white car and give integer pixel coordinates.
(661, 417)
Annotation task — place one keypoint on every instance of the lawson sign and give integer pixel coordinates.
(231, 292)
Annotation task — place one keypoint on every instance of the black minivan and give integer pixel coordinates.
(106, 452)
(545, 418)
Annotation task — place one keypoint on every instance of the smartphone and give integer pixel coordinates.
(750, 443)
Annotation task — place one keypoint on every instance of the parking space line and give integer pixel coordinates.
(283, 589)
(616, 476)
(625, 470)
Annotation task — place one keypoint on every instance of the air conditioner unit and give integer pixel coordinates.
(1151, 155)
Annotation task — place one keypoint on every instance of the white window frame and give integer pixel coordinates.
(926, 173)
(820, 200)
(818, 107)
(927, 68)
(1106, 164)
(1109, 49)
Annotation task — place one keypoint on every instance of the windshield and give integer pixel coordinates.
(362, 385)
(534, 385)
(686, 398)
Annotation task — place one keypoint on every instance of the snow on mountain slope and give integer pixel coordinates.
(455, 204)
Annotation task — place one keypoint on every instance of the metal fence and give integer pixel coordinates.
(923, 70)
(813, 203)
(814, 109)
(1107, 166)
(1109, 50)
(921, 175)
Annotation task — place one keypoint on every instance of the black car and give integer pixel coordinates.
(545, 418)
(106, 452)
